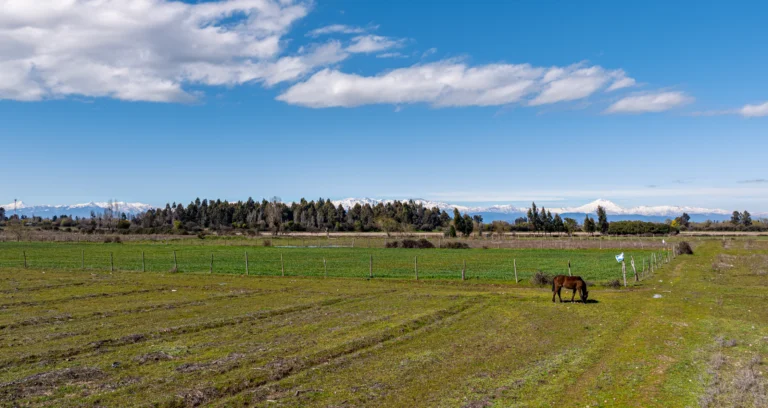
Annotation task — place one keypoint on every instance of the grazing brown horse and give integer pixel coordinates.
(569, 282)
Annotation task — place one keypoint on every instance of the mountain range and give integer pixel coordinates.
(508, 212)
(75, 210)
(504, 212)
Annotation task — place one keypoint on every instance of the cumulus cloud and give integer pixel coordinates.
(145, 49)
(754, 110)
(650, 102)
(451, 83)
(367, 44)
(336, 29)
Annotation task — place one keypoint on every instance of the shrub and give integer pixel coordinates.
(456, 245)
(541, 278)
(410, 243)
(683, 248)
(201, 235)
(267, 243)
(614, 284)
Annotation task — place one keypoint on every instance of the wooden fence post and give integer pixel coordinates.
(569, 268)
(111, 262)
(247, 272)
(464, 271)
(282, 265)
(514, 262)
(211, 270)
(143, 264)
(175, 263)
(82, 259)
(624, 273)
(416, 266)
(637, 279)
(370, 265)
(325, 267)
(25, 259)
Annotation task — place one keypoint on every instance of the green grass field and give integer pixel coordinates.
(495, 264)
(94, 338)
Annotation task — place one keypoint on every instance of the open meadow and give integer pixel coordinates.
(222, 256)
(694, 333)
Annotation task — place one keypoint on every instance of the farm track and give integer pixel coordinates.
(259, 384)
(134, 310)
(103, 344)
(80, 297)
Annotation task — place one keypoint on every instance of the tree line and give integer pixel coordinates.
(321, 215)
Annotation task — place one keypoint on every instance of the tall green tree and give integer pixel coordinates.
(557, 223)
(468, 225)
(746, 218)
(736, 218)
(589, 225)
(458, 221)
(602, 220)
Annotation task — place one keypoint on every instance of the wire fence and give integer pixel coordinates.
(332, 262)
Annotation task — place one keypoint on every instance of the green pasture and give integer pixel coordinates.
(494, 264)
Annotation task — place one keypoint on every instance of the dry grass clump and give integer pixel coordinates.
(541, 278)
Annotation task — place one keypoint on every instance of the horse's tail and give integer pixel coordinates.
(553, 284)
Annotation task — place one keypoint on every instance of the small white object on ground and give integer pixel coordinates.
(173, 290)
(657, 296)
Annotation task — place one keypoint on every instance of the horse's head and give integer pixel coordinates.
(584, 294)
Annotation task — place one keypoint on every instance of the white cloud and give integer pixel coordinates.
(651, 102)
(373, 43)
(391, 55)
(621, 81)
(754, 110)
(450, 83)
(143, 49)
(337, 29)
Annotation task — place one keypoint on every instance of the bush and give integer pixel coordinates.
(614, 284)
(116, 240)
(683, 248)
(456, 245)
(541, 278)
(266, 243)
(410, 243)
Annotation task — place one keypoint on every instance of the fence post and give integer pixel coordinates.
(211, 270)
(175, 263)
(247, 272)
(282, 266)
(82, 259)
(569, 268)
(464, 270)
(514, 262)
(325, 268)
(370, 266)
(637, 279)
(624, 273)
(416, 266)
(25, 259)
(143, 264)
(111, 262)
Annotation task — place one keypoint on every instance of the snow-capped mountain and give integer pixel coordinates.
(76, 210)
(615, 212)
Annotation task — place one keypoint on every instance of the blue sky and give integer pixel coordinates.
(558, 102)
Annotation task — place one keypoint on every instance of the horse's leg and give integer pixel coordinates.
(554, 292)
(574, 294)
(560, 289)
